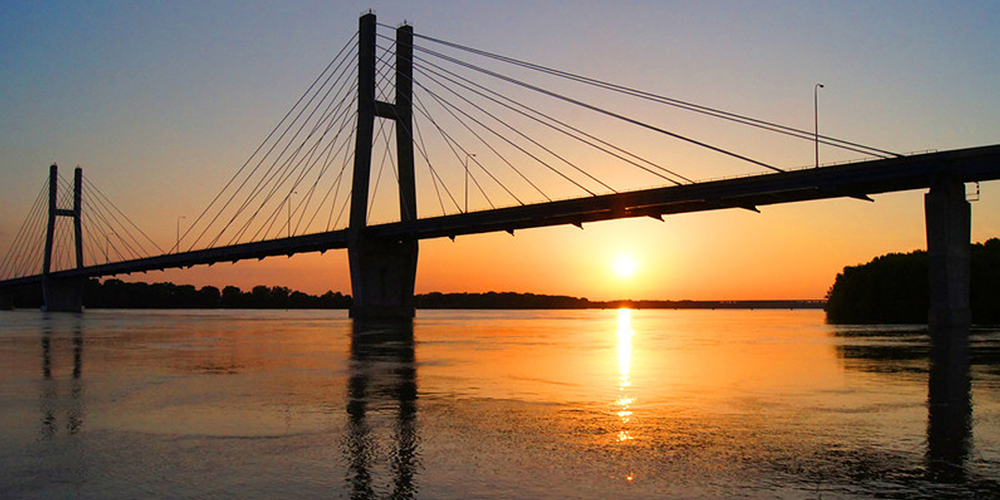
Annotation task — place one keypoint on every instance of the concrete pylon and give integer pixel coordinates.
(383, 272)
(949, 234)
(63, 294)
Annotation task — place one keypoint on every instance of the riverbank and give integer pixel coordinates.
(117, 294)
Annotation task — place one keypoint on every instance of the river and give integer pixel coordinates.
(487, 404)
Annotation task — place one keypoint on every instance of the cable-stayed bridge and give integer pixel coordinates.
(390, 114)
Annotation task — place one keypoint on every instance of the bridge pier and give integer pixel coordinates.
(949, 235)
(383, 274)
(949, 227)
(62, 295)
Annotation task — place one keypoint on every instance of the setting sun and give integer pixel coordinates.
(624, 266)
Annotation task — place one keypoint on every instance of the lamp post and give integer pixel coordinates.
(816, 117)
(467, 156)
(178, 248)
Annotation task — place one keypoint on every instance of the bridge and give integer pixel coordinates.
(383, 255)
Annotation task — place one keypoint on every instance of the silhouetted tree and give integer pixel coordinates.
(334, 300)
(498, 300)
(209, 297)
(232, 297)
(259, 297)
(114, 293)
(893, 288)
(279, 297)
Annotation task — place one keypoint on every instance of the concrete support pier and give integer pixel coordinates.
(949, 227)
(62, 295)
(949, 234)
(383, 274)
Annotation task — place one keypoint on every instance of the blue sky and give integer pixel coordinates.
(161, 101)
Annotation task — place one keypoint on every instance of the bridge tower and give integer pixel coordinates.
(383, 271)
(63, 294)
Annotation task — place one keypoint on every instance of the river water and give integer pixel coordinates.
(487, 404)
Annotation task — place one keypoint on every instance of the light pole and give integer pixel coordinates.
(816, 117)
(179, 233)
(467, 156)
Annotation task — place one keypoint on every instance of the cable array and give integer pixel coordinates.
(480, 145)
(678, 103)
(27, 250)
(488, 131)
(294, 182)
(109, 235)
(507, 131)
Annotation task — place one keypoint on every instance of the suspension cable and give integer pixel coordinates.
(534, 114)
(714, 112)
(350, 42)
(597, 109)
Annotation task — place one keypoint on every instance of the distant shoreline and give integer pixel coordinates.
(116, 294)
(667, 304)
(511, 300)
(716, 304)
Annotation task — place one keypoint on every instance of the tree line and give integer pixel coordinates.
(893, 288)
(512, 300)
(114, 293)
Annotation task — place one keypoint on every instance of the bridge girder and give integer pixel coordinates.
(870, 177)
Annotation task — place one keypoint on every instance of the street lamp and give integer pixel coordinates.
(816, 117)
(467, 156)
(179, 233)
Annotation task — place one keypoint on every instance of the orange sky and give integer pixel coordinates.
(161, 106)
(676, 259)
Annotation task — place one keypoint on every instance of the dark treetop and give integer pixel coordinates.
(893, 288)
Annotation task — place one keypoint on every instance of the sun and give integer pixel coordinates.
(624, 266)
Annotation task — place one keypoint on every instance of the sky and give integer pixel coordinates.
(161, 102)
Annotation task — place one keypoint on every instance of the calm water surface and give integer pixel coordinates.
(504, 404)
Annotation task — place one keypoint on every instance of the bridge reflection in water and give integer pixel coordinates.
(52, 404)
(949, 404)
(946, 357)
(382, 392)
(380, 450)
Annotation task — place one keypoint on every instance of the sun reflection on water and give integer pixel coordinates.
(623, 404)
(624, 348)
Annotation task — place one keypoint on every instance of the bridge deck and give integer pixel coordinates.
(848, 180)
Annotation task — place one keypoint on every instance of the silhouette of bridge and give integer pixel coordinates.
(383, 256)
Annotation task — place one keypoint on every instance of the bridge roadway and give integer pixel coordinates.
(856, 180)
